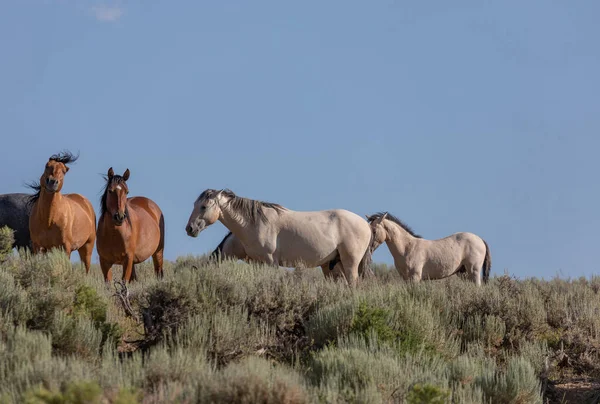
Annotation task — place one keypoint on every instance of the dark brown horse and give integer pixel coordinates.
(61, 221)
(130, 230)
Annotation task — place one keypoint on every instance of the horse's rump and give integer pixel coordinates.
(84, 219)
(14, 213)
(149, 223)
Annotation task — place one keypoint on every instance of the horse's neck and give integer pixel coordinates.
(238, 224)
(399, 241)
(50, 203)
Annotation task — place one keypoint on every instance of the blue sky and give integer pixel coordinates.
(454, 116)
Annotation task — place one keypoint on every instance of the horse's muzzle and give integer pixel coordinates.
(119, 218)
(192, 232)
(51, 185)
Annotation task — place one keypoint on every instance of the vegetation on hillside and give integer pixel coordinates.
(233, 332)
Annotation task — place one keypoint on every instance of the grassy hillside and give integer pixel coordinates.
(232, 332)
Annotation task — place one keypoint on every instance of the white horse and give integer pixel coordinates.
(232, 248)
(275, 235)
(416, 258)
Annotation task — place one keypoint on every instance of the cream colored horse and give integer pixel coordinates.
(416, 258)
(275, 235)
(232, 248)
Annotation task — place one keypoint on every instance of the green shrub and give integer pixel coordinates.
(75, 393)
(427, 394)
(88, 303)
(370, 320)
(14, 301)
(231, 331)
(254, 380)
(7, 240)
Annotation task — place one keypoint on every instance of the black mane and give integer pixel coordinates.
(395, 220)
(65, 157)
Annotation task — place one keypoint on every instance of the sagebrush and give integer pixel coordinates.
(232, 332)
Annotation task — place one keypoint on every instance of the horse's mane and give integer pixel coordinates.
(395, 220)
(115, 179)
(37, 189)
(65, 157)
(219, 249)
(252, 209)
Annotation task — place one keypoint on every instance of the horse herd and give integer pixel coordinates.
(130, 230)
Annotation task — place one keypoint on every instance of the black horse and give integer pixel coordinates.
(14, 213)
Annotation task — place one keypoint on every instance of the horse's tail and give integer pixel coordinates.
(364, 268)
(487, 264)
(218, 252)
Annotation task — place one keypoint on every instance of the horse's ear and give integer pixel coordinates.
(111, 173)
(378, 220)
(66, 168)
(126, 174)
(384, 216)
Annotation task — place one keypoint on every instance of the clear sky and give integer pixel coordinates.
(453, 115)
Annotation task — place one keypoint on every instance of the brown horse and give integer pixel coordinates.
(61, 221)
(130, 230)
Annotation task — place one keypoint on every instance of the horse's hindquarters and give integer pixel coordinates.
(149, 233)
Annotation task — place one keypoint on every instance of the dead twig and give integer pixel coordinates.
(122, 293)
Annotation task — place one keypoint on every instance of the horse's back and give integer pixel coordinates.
(319, 234)
(83, 204)
(143, 204)
(324, 224)
(14, 213)
(469, 244)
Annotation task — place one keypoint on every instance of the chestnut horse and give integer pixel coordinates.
(130, 230)
(61, 221)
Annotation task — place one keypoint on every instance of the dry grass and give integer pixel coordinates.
(233, 332)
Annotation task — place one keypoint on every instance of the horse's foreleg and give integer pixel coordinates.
(270, 260)
(36, 248)
(128, 268)
(133, 273)
(106, 269)
(414, 275)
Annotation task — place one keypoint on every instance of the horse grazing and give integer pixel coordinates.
(275, 235)
(130, 230)
(14, 213)
(61, 221)
(416, 258)
(232, 248)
